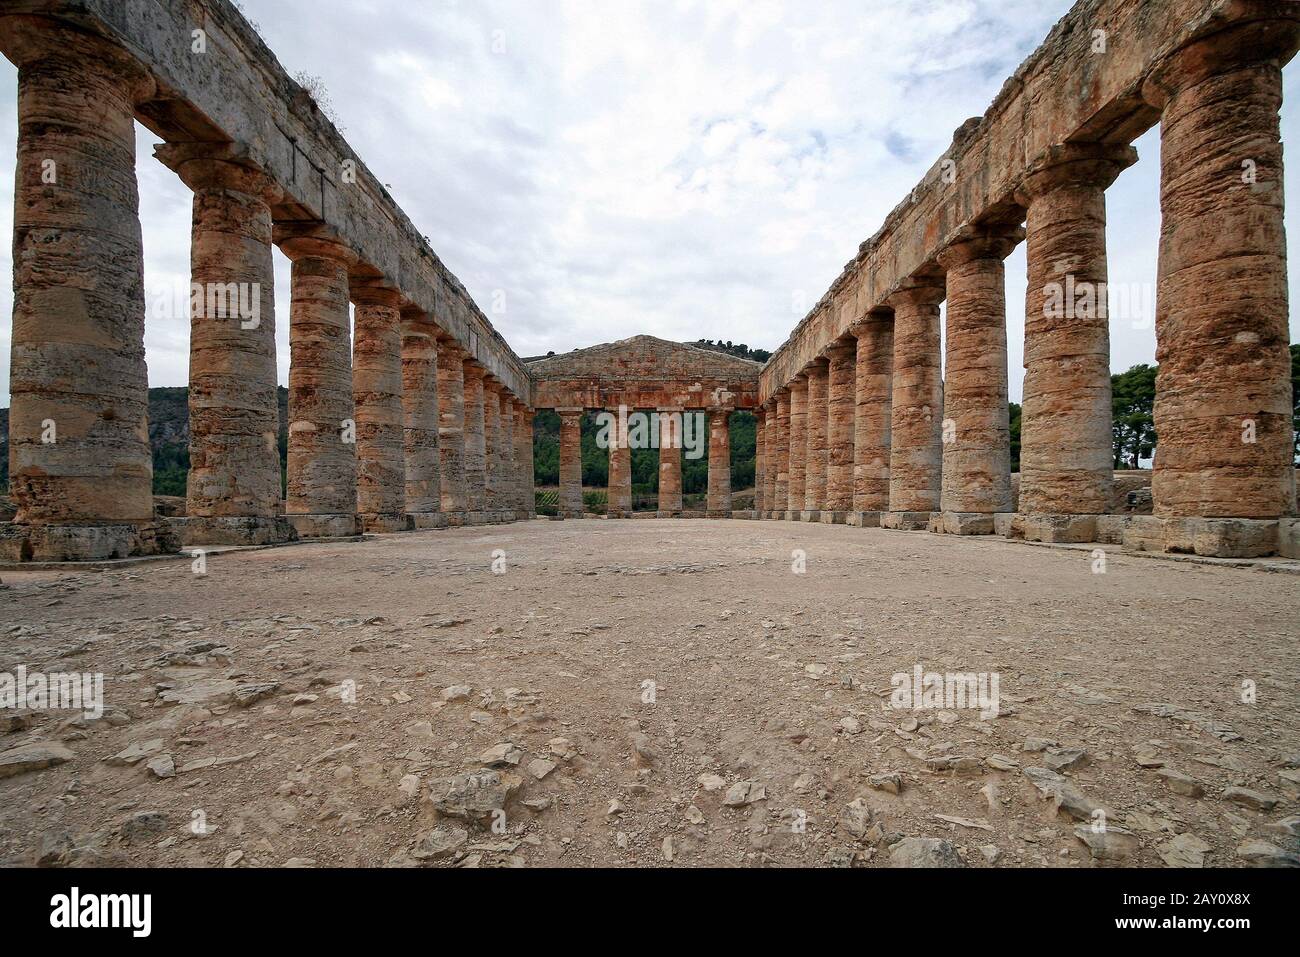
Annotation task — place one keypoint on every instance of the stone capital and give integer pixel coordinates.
(28, 40)
(312, 241)
(1260, 32)
(841, 349)
(992, 242)
(375, 293)
(1094, 165)
(918, 292)
(202, 165)
(475, 371)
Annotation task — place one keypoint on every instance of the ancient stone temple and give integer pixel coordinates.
(408, 410)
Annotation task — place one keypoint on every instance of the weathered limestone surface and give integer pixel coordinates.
(377, 385)
(840, 405)
(1065, 445)
(234, 409)
(1223, 391)
(670, 462)
(451, 429)
(524, 460)
(420, 414)
(620, 471)
(492, 465)
(815, 454)
(874, 397)
(322, 460)
(77, 373)
(798, 443)
(916, 413)
(475, 439)
(781, 455)
(508, 489)
(719, 495)
(570, 462)
(977, 451)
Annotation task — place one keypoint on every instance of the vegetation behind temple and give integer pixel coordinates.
(1132, 425)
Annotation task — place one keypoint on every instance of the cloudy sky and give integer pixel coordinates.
(684, 168)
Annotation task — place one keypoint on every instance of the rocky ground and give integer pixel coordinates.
(652, 693)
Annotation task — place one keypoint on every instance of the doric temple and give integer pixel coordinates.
(422, 418)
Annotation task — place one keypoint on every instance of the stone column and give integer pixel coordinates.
(377, 386)
(719, 497)
(492, 498)
(874, 397)
(451, 430)
(815, 450)
(781, 457)
(80, 467)
(420, 420)
(916, 412)
(976, 436)
(570, 462)
(234, 490)
(760, 462)
(840, 402)
(670, 462)
(1223, 392)
(524, 456)
(475, 442)
(798, 445)
(321, 495)
(509, 506)
(620, 469)
(1065, 437)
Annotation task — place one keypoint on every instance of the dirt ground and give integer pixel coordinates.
(666, 693)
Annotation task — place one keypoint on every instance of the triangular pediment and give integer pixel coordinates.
(644, 357)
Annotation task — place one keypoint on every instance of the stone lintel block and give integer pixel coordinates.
(85, 543)
(963, 523)
(834, 518)
(1111, 528)
(810, 515)
(1288, 537)
(235, 530)
(906, 521)
(863, 519)
(427, 520)
(381, 522)
(1057, 529)
(325, 526)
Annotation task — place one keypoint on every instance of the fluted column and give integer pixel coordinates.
(719, 495)
(570, 462)
(321, 495)
(916, 412)
(760, 461)
(234, 489)
(977, 438)
(509, 487)
(1065, 440)
(524, 456)
(619, 493)
(1223, 392)
(670, 462)
(475, 441)
(781, 456)
(420, 419)
(815, 458)
(840, 403)
(79, 441)
(491, 444)
(798, 445)
(874, 398)
(377, 387)
(451, 430)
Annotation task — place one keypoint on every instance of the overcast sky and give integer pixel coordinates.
(684, 168)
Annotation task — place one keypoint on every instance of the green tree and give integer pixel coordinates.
(1013, 409)
(1132, 415)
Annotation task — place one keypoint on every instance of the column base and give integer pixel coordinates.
(794, 515)
(427, 520)
(1212, 537)
(668, 513)
(834, 518)
(1054, 529)
(234, 530)
(571, 513)
(963, 523)
(692, 513)
(611, 512)
(454, 519)
(810, 515)
(325, 525)
(718, 513)
(85, 543)
(383, 522)
(863, 519)
(745, 514)
(906, 521)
